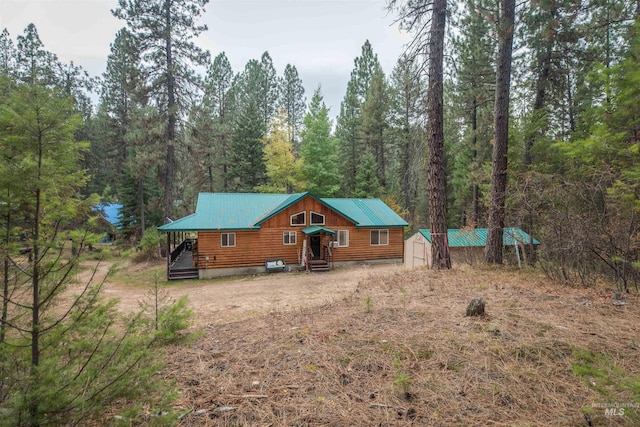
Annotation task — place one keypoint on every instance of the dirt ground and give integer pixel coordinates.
(378, 345)
(224, 300)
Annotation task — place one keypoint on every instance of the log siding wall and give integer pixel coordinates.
(253, 247)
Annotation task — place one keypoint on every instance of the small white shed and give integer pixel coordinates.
(465, 245)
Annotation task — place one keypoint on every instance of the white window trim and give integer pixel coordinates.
(337, 242)
(378, 231)
(316, 223)
(222, 245)
(304, 221)
(290, 233)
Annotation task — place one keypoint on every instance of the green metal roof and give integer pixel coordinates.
(315, 229)
(459, 238)
(227, 211)
(367, 212)
(246, 211)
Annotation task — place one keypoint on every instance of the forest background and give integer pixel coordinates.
(162, 131)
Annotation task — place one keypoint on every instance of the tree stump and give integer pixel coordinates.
(476, 307)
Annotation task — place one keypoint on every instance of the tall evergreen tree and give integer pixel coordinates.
(246, 158)
(268, 89)
(121, 93)
(367, 184)
(415, 16)
(406, 113)
(41, 122)
(8, 54)
(35, 65)
(493, 249)
(293, 102)
(348, 124)
(165, 30)
(474, 84)
(211, 128)
(349, 145)
(375, 122)
(319, 150)
(435, 139)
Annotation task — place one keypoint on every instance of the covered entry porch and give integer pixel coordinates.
(317, 248)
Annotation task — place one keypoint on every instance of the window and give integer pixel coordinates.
(228, 240)
(379, 237)
(299, 219)
(317, 219)
(342, 238)
(289, 238)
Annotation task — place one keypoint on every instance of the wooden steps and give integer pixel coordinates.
(183, 273)
(319, 265)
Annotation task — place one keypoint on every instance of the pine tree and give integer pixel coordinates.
(374, 124)
(246, 158)
(406, 111)
(319, 150)
(367, 184)
(349, 145)
(121, 93)
(211, 129)
(474, 90)
(435, 139)
(164, 30)
(293, 102)
(493, 249)
(35, 65)
(414, 16)
(8, 54)
(348, 130)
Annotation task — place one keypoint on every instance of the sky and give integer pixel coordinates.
(321, 38)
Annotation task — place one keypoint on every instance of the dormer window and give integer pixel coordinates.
(299, 219)
(316, 218)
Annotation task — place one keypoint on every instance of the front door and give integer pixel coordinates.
(315, 247)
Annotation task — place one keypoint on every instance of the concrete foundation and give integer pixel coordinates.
(212, 273)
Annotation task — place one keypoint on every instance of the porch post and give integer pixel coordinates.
(307, 257)
(168, 254)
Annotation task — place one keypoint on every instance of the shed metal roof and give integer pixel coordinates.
(246, 211)
(459, 238)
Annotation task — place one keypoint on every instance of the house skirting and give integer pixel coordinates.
(368, 262)
(212, 273)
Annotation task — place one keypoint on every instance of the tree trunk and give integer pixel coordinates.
(5, 283)
(493, 249)
(406, 162)
(141, 205)
(435, 112)
(542, 80)
(35, 284)
(171, 119)
(475, 216)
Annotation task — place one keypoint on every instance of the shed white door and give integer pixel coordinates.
(419, 256)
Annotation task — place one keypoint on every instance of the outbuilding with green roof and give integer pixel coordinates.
(467, 245)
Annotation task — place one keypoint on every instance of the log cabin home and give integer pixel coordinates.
(248, 233)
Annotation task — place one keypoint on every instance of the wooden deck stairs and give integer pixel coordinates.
(182, 267)
(319, 265)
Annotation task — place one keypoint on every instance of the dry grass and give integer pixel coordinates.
(400, 351)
